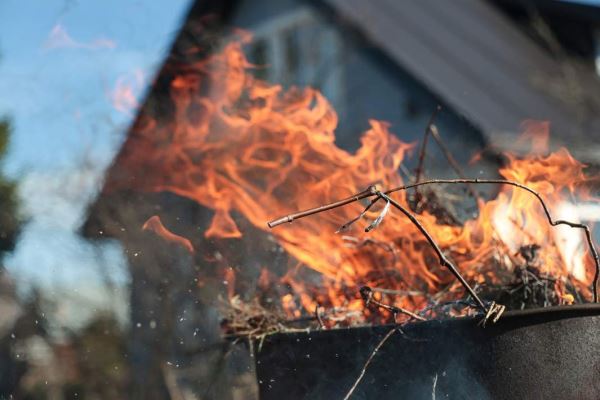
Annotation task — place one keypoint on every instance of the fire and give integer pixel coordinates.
(154, 224)
(239, 144)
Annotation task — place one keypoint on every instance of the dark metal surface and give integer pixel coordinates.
(532, 354)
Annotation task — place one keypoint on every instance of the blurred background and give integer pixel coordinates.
(91, 306)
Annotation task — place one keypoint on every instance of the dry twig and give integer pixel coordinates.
(373, 353)
(423, 150)
(432, 130)
(444, 261)
(371, 192)
(551, 221)
(367, 294)
(451, 160)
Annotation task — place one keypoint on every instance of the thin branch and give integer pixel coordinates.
(444, 261)
(451, 160)
(302, 214)
(371, 193)
(311, 211)
(373, 353)
(422, 151)
(318, 315)
(551, 221)
(367, 294)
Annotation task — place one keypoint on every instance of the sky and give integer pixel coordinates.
(71, 75)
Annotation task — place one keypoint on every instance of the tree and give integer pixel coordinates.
(18, 321)
(10, 216)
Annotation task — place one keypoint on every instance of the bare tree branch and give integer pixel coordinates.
(423, 150)
(451, 160)
(367, 294)
(371, 192)
(444, 261)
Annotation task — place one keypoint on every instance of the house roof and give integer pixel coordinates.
(479, 62)
(467, 52)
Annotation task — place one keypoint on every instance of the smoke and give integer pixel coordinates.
(60, 38)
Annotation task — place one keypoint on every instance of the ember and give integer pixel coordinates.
(237, 144)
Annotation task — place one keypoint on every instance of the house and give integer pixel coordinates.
(394, 61)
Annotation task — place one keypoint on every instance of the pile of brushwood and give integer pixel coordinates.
(527, 287)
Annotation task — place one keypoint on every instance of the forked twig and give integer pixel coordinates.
(367, 294)
(495, 311)
(432, 130)
(451, 160)
(444, 261)
(422, 151)
(372, 193)
(551, 221)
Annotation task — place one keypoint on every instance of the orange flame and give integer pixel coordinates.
(154, 224)
(236, 143)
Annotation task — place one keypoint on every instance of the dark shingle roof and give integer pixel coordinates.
(479, 62)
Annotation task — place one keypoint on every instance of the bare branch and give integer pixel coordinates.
(302, 214)
(367, 294)
(371, 192)
(423, 150)
(451, 160)
(444, 261)
(551, 221)
(373, 353)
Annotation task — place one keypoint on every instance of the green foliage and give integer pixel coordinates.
(10, 218)
(4, 133)
(100, 347)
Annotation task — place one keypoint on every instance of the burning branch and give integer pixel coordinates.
(381, 195)
(291, 217)
(373, 192)
(551, 221)
(443, 260)
(367, 294)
